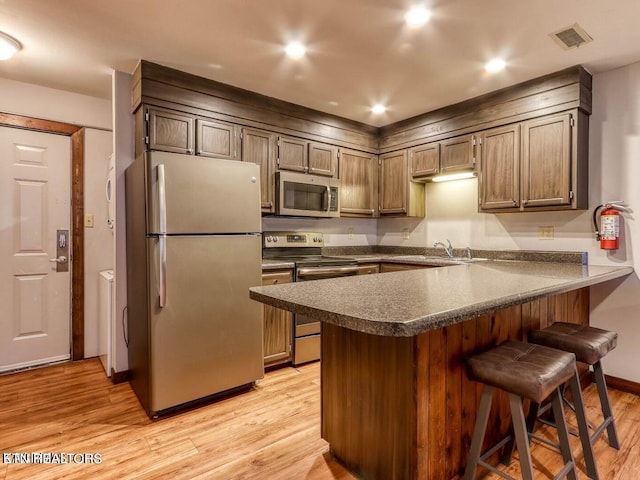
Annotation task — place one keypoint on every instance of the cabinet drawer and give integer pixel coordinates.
(368, 269)
(276, 277)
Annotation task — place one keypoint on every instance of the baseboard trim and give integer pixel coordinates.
(623, 385)
(119, 377)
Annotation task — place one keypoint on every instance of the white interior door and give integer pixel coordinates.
(34, 204)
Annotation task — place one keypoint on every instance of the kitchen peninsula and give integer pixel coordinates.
(396, 402)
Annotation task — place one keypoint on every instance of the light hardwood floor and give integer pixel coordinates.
(270, 432)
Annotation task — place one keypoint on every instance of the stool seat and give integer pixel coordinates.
(589, 344)
(522, 371)
(527, 370)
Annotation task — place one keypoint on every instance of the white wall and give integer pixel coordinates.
(98, 240)
(46, 103)
(50, 104)
(614, 171)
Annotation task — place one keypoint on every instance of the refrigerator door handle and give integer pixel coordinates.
(162, 244)
(162, 201)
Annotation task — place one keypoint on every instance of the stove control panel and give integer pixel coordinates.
(292, 239)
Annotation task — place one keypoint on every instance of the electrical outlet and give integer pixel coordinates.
(350, 233)
(545, 233)
(88, 220)
(405, 233)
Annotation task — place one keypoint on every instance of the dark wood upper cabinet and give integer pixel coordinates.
(323, 159)
(397, 194)
(425, 160)
(358, 184)
(540, 164)
(457, 154)
(217, 139)
(446, 156)
(169, 131)
(499, 177)
(300, 155)
(546, 161)
(259, 146)
(292, 154)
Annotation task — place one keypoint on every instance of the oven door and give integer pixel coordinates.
(306, 341)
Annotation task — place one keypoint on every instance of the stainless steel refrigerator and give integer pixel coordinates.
(193, 251)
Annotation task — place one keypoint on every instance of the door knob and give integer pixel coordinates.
(60, 259)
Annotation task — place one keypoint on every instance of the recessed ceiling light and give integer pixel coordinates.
(295, 50)
(378, 108)
(8, 46)
(333, 103)
(495, 65)
(417, 16)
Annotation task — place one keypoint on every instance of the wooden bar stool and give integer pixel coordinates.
(589, 345)
(530, 371)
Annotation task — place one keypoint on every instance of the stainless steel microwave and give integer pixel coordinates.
(302, 195)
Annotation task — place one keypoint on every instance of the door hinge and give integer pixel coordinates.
(473, 140)
(241, 135)
(572, 122)
(570, 194)
(278, 141)
(473, 161)
(379, 161)
(278, 161)
(146, 116)
(146, 140)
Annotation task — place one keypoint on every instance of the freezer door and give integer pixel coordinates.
(189, 194)
(208, 336)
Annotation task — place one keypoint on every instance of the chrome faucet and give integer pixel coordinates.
(448, 249)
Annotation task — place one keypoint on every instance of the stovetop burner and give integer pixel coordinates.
(316, 260)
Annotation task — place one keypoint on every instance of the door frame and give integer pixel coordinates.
(76, 132)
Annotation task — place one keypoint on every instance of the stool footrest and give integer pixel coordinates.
(495, 470)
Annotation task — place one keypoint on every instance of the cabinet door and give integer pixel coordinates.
(259, 146)
(358, 184)
(499, 180)
(323, 159)
(546, 161)
(393, 183)
(170, 131)
(425, 160)
(400, 267)
(292, 154)
(277, 324)
(217, 139)
(368, 269)
(456, 153)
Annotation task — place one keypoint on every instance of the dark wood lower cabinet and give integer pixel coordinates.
(277, 324)
(400, 267)
(403, 408)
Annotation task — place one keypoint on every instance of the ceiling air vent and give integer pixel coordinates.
(571, 37)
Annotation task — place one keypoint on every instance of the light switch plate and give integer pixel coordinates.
(545, 233)
(88, 220)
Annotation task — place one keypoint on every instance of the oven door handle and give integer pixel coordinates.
(324, 271)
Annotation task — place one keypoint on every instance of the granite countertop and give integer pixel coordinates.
(411, 302)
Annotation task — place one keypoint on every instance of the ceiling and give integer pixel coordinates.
(359, 52)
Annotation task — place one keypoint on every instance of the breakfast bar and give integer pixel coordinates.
(396, 402)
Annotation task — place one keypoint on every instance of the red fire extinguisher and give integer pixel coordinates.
(609, 232)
